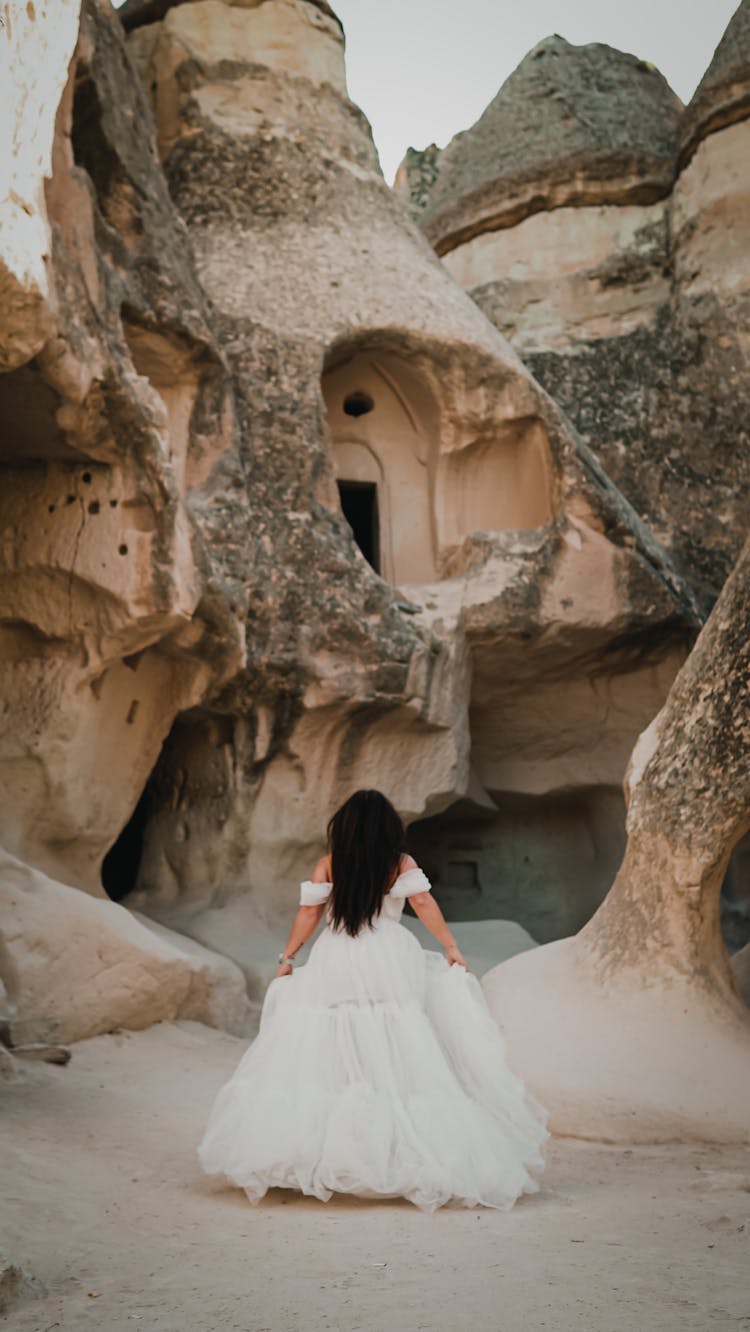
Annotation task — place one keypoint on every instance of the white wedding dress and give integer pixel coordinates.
(377, 1070)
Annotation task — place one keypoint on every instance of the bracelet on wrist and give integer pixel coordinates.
(287, 961)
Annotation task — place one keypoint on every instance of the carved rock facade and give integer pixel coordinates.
(604, 230)
(244, 355)
(365, 378)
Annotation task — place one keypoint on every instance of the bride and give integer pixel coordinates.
(377, 1069)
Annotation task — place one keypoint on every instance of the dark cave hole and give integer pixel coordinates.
(359, 503)
(90, 147)
(122, 862)
(358, 403)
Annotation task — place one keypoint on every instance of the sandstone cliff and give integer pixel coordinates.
(235, 341)
(317, 280)
(604, 231)
(635, 1028)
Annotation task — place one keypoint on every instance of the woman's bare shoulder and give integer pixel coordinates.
(322, 871)
(407, 863)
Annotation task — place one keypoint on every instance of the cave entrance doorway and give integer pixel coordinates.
(122, 862)
(543, 860)
(384, 426)
(359, 504)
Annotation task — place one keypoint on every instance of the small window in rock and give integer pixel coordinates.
(358, 403)
(359, 503)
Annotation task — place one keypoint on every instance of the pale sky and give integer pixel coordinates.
(422, 70)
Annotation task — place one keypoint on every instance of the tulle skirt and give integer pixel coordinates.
(377, 1070)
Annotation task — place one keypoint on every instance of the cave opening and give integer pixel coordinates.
(359, 504)
(384, 425)
(122, 862)
(159, 856)
(358, 403)
(543, 860)
(91, 151)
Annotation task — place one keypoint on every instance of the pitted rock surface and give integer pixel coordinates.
(572, 125)
(630, 305)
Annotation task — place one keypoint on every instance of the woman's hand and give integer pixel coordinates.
(454, 955)
(283, 969)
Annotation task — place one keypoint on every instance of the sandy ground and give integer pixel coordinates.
(103, 1199)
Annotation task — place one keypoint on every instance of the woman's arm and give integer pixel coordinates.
(306, 919)
(432, 917)
(303, 925)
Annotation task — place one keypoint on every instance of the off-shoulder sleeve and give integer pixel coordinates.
(410, 882)
(312, 894)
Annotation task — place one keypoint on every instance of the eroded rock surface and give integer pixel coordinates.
(635, 1028)
(17, 1285)
(285, 515)
(571, 127)
(317, 279)
(604, 231)
(110, 619)
(92, 966)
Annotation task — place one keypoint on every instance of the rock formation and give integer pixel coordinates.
(285, 515)
(433, 432)
(573, 127)
(634, 1028)
(112, 395)
(89, 965)
(605, 233)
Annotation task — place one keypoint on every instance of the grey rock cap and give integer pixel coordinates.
(572, 125)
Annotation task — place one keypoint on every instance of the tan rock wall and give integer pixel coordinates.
(180, 583)
(312, 269)
(709, 218)
(634, 1029)
(629, 306)
(556, 278)
(103, 595)
(91, 966)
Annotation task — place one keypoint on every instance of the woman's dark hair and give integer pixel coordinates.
(366, 840)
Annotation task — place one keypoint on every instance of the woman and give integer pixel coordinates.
(377, 1069)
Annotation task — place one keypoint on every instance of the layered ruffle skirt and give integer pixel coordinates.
(377, 1070)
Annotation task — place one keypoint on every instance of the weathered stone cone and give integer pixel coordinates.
(573, 126)
(604, 230)
(634, 1029)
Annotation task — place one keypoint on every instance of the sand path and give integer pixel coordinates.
(102, 1198)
